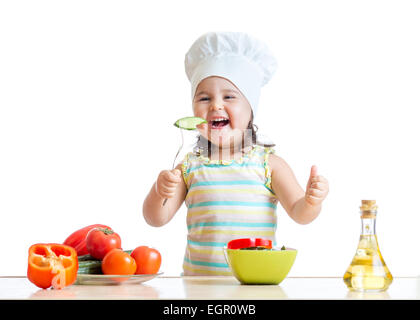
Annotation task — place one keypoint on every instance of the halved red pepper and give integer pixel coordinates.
(249, 242)
(77, 239)
(52, 264)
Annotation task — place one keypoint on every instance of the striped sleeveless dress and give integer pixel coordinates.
(226, 200)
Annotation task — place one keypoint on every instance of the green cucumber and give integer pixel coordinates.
(90, 267)
(88, 264)
(89, 270)
(189, 123)
(86, 257)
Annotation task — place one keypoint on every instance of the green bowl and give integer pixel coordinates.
(260, 266)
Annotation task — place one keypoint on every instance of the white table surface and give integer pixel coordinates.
(207, 288)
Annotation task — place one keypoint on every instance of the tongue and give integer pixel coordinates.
(219, 124)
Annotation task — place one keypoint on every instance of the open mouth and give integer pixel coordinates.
(219, 123)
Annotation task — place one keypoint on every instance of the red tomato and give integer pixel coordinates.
(100, 241)
(118, 262)
(77, 239)
(148, 260)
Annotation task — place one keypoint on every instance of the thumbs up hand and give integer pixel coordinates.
(317, 188)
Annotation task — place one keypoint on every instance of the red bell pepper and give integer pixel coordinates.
(249, 242)
(77, 239)
(52, 264)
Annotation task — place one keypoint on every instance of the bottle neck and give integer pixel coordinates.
(368, 226)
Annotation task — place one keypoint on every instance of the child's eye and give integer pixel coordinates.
(229, 97)
(204, 99)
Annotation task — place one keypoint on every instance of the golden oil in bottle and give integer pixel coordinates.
(368, 271)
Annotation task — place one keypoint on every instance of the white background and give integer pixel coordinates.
(89, 91)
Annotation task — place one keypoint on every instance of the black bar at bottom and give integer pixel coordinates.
(213, 309)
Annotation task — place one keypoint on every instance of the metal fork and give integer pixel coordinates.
(176, 156)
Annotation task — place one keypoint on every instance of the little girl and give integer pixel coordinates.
(230, 183)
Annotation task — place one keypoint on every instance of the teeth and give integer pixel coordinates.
(220, 119)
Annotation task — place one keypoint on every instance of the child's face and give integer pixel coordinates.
(224, 107)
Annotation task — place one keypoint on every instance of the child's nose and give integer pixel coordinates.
(217, 105)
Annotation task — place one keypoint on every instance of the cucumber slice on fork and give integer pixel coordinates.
(186, 123)
(189, 123)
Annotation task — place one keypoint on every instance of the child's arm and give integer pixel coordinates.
(169, 185)
(301, 206)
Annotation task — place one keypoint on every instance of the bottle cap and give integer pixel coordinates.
(368, 208)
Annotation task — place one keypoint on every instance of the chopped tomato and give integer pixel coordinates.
(249, 242)
(52, 264)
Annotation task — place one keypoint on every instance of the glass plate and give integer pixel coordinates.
(103, 279)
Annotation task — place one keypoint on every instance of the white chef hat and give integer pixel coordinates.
(236, 56)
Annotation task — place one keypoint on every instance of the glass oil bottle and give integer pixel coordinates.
(368, 271)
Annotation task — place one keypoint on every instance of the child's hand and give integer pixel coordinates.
(166, 183)
(316, 189)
